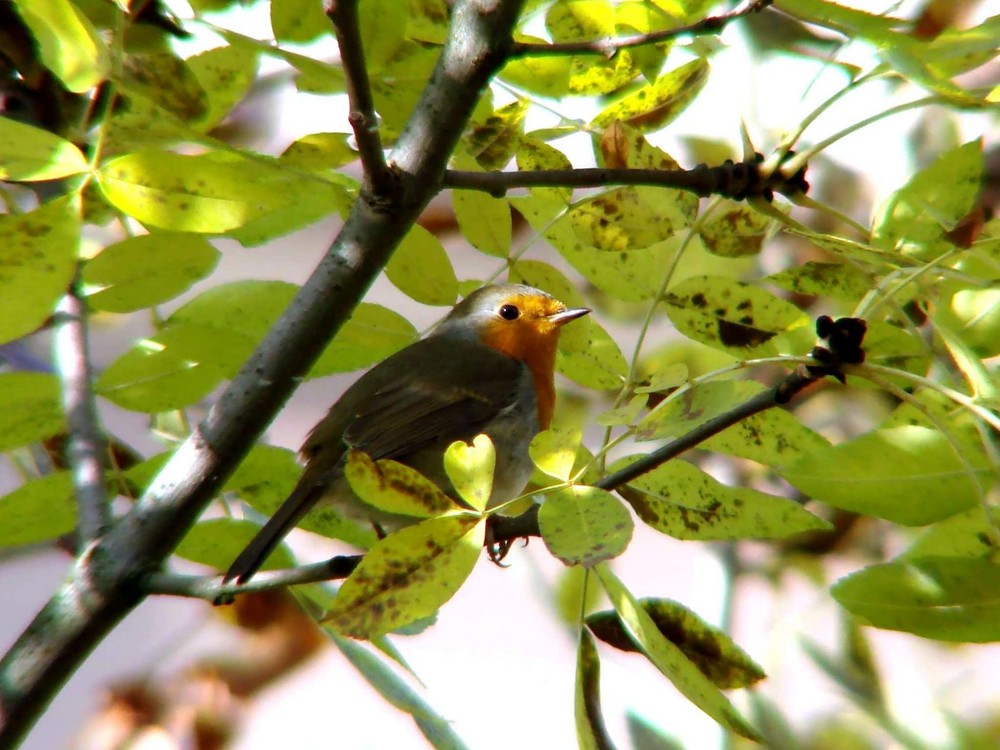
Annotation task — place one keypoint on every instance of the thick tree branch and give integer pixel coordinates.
(364, 122)
(608, 47)
(213, 589)
(739, 180)
(107, 582)
(85, 446)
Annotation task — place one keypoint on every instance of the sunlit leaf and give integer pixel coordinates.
(395, 487)
(68, 44)
(420, 268)
(654, 105)
(298, 21)
(30, 408)
(584, 525)
(470, 469)
(225, 75)
(165, 79)
(736, 232)
(554, 451)
(407, 575)
(28, 153)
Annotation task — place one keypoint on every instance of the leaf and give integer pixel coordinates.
(591, 734)
(484, 221)
(909, 475)
(683, 411)
(679, 499)
(730, 315)
(737, 232)
(319, 151)
(383, 26)
(773, 438)
(963, 535)
(589, 356)
(822, 280)
(407, 576)
(298, 21)
(146, 270)
(670, 660)
(655, 105)
(30, 408)
(493, 141)
(584, 20)
(584, 525)
(267, 476)
(225, 74)
(470, 469)
(391, 686)
(421, 269)
(28, 154)
(68, 44)
(554, 451)
(547, 75)
(710, 648)
(213, 195)
(37, 260)
(166, 80)
(945, 598)
(371, 334)
(533, 154)
(394, 487)
(914, 219)
(38, 510)
(217, 541)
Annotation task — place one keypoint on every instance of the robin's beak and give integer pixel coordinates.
(565, 316)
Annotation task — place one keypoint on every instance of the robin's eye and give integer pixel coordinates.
(509, 312)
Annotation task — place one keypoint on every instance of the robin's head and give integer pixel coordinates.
(523, 323)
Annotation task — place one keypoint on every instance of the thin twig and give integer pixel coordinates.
(86, 445)
(213, 589)
(608, 47)
(364, 122)
(733, 180)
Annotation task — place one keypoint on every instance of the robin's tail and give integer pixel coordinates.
(269, 537)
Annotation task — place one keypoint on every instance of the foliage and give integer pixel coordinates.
(138, 153)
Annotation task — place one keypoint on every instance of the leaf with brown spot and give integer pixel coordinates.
(395, 487)
(407, 576)
(679, 499)
(710, 648)
(591, 733)
(584, 525)
(737, 232)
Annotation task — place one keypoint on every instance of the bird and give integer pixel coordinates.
(488, 368)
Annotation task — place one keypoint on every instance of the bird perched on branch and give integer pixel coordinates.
(487, 368)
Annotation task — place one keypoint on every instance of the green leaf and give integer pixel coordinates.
(591, 734)
(670, 660)
(146, 270)
(166, 80)
(494, 141)
(547, 75)
(589, 356)
(555, 450)
(28, 154)
(38, 510)
(655, 105)
(395, 487)
(963, 535)
(30, 408)
(710, 648)
(407, 576)
(470, 469)
(217, 541)
(397, 692)
(737, 232)
(584, 525)
(267, 476)
(945, 598)
(383, 27)
(37, 260)
(730, 315)
(814, 278)
(547, 278)
(484, 221)
(914, 219)
(319, 151)
(683, 411)
(68, 44)
(225, 74)
(370, 335)
(298, 21)
(679, 499)
(585, 20)
(533, 154)
(421, 269)
(909, 475)
(212, 193)
(773, 438)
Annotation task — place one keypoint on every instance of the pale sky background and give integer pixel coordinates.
(498, 663)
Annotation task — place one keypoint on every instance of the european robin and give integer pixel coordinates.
(487, 368)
